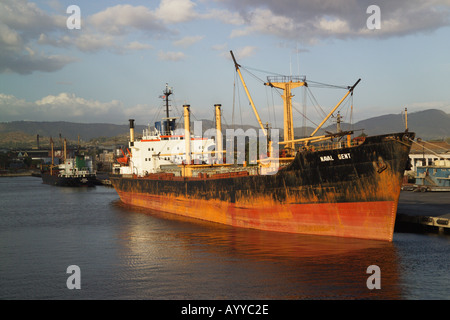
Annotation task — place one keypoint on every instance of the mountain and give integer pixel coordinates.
(428, 125)
(69, 130)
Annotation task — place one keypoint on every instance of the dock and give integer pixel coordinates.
(423, 212)
(425, 188)
(20, 173)
(423, 224)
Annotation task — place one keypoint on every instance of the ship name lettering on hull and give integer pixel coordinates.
(326, 158)
(341, 156)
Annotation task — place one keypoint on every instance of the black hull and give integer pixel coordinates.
(353, 175)
(88, 181)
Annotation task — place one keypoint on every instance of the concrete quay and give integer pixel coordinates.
(423, 212)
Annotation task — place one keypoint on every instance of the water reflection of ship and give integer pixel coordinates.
(291, 266)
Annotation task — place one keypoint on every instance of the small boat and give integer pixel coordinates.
(73, 172)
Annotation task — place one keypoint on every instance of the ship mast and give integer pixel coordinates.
(286, 84)
(53, 156)
(313, 138)
(167, 92)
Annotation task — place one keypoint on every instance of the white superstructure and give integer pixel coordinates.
(156, 150)
(80, 166)
(164, 146)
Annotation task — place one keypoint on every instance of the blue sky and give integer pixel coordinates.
(117, 65)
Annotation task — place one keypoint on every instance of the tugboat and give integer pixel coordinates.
(73, 172)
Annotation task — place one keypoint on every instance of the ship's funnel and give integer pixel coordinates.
(131, 132)
(219, 141)
(187, 133)
(65, 149)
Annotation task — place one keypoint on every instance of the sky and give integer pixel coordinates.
(116, 65)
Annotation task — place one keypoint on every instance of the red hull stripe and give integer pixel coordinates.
(365, 220)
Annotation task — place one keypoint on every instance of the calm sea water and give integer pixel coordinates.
(131, 253)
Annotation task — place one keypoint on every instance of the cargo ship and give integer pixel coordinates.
(330, 185)
(73, 172)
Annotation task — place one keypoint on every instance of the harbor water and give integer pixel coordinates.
(127, 253)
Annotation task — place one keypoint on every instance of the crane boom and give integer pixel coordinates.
(350, 90)
(248, 94)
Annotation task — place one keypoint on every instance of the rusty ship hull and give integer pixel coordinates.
(348, 192)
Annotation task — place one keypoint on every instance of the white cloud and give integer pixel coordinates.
(20, 23)
(27, 18)
(223, 15)
(239, 53)
(71, 106)
(245, 52)
(28, 61)
(332, 26)
(109, 29)
(55, 5)
(122, 19)
(175, 11)
(310, 21)
(10, 39)
(188, 41)
(92, 42)
(171, 56)
(135, 45)
(12, 107)
(265, 21)
(63, 106)
(223, 50)
(24, 26)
